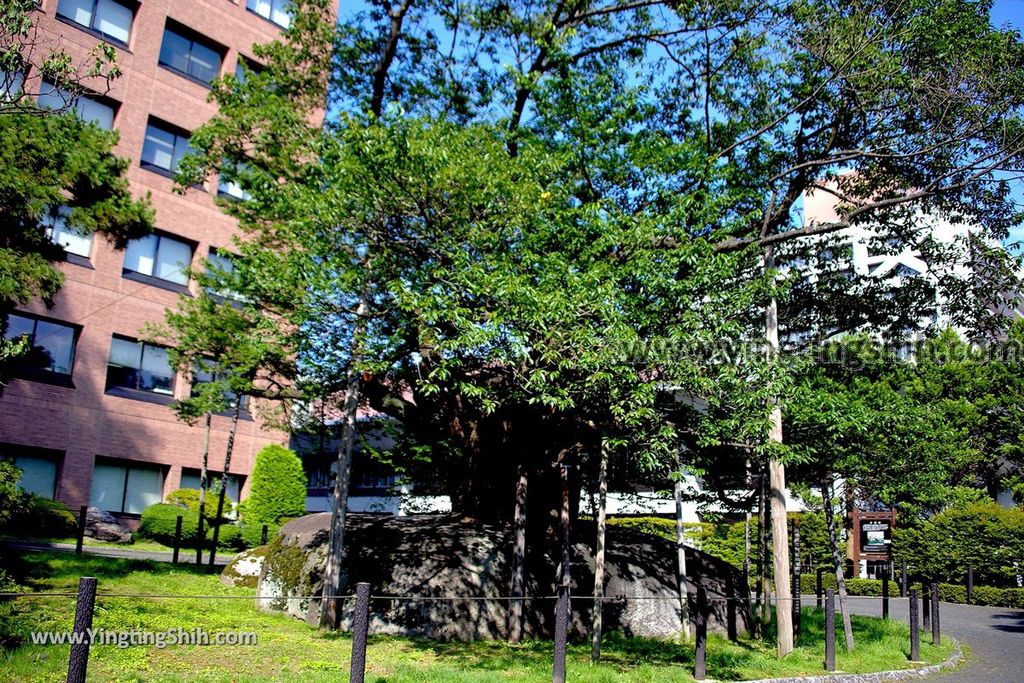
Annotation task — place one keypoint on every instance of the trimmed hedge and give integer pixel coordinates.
(42, 518)
(158, 523)
(277, 488)
(983, 595)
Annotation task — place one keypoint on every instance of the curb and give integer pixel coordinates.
(877, 677)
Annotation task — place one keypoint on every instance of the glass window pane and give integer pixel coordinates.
(145, 488)
(38, 475)
(53, 97)
(107, 492)
(205, 63)
(74, 242)
(173, 258)
(18, 326)
(260, 7)
(156, 375)
(158, 148)
(94, 111)
(190, 479)
(125, 353)
(58, 344)
(181, 148)
(174, 51)
(78, 11)
(113, 19)
(280, 15)
(140, 254)
(10, 85)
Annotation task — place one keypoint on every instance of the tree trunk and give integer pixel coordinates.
(684, 595)
(602, 508)
(777, 478)
(228, 450)
(837, 564)
(329, 613)
(515, 617)
(203, 485)
(762, 558)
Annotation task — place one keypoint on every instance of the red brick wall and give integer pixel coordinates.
(83, 421)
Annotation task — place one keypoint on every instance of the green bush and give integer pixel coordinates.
(229, 537)
(42, 518)
(158, 523)
(983, 595)
(12, 498)
(982, 535)
(252, 534)
(277, 488)
(186, 498)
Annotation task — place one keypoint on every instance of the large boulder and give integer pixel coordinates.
(102, 526)
(245, 568)
(468, 563)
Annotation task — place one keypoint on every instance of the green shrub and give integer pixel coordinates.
(229, 537)
(186, 498)
(42, 518)
(983, 595)
(253, 534)
(12, 498)
(158, 523)
(982, 535)
(277, 488)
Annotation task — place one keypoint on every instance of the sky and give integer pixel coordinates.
(1011, 12)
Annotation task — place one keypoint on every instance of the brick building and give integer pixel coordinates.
(92, 425)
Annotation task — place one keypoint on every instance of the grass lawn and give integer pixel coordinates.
(136, 544)
(288, 650)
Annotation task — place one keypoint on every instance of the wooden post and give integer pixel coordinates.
(915, 628)
(936, 633)
(885, 594)
(177, 539)
(700, 653)
(599, 555)
(561, 634)
(817, 586)
(263, 535)
(515, 613)
(926, 603)
(78, 662)
(970, 585)
(360, 629)
(80, 541)
(202, 536)
(903, 580)
(797, 606)
(830, 630)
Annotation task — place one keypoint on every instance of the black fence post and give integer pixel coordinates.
(970, 585)
(936, 633)
(796, 578)
(817, 587)
(82, 514)
(360, 629)
(561, 634)
(78, 662)
(700, 653)
(177, 539)
(915, 628)
(885, 594)
(202, 536)
(830, 630)
(926, 607)
(263, 535)
(903, 580)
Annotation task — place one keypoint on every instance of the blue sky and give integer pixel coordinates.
(1011, 12)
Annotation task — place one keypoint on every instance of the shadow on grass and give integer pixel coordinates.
(42, 570)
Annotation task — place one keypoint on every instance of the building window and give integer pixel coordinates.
(245, 66)
(221, 264)
(160, 257)
(277, 11)
(88, 109)
(163, 148)
(51, 344)
(190, 480)
(138, 366)
(11, 83)
(229, 186)
(189, 56)
(73, 240)
(108, 18)
(38, 474)
(203, 374)
(125, 488)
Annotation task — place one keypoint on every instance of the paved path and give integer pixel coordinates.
(186, 556)
(994, 635)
